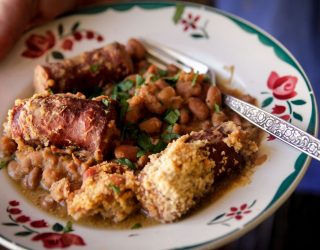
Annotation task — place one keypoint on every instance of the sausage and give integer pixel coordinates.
(85, 72)
(64, 120)
(226, 158)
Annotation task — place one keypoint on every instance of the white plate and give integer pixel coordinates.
(217, 39)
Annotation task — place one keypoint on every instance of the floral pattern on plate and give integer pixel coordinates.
(38, 45)
(56, 236)
(283, 90)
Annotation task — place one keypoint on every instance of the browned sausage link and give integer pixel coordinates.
(64, 120)
(226, 158)
(84, 72)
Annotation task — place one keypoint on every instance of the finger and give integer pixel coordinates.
(13, 20)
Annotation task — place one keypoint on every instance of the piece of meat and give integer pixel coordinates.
(64, 120)
(85, 72)
(175, 179)
(107, 189)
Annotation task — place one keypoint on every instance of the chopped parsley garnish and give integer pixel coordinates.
(195, 78)
(140, 153)
(94, 68)
(161, 145)
(162, 72)
(170, 136)
(216, 108)
(124, 107)
(139, 80)
(105, 102)
(126, 162)
(50, 91)
(136, 226)
(125, 85)
(115, 188)
(4, 162)
(172, 80)
(144, 142)
(153, 77)
(172, 116)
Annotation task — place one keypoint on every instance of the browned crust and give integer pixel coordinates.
(84, 72)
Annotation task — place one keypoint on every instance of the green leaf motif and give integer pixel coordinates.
(197, 35)
(298, 102)
(23, 233)
(57, 227)
(297, 116)
(217, 218)
(267, 102)
(10, 224)
(57, 55)
(75, 27)
(68, 228)
(60, 29)
(178, 13)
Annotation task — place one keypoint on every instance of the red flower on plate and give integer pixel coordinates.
(283, 88)
(278, 109)
(57, 240)
(22, 219)
(14, 211)
(39, 223)
(67, 44)
(14, 203)
(190, 22)
(238, 213)
(37, 45)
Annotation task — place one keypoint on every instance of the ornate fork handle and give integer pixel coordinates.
(276, 127)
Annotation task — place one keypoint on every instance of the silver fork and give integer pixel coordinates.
(161, 56)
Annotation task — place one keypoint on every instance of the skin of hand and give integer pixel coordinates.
(17, 16)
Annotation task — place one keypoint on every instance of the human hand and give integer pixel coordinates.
(17, 16)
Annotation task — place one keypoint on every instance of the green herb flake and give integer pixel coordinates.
(125, 85)
(126, 162)
(50, 91)
(139, 80)
(161, 145)
(144, 142)
(162, 73)
(217, 108)
(170, 136)
(95, 68)
(140, 153)
(195, 78)
(172, 80)
(136, 226)
(172, 116)
(153, 77)
(115, 188)
(68, 227)
(124, 107)
(105, 102)
(4, 162)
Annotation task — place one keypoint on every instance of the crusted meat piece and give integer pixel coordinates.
(85, 72)
(107, 189)
(63, 120)
(172, 182)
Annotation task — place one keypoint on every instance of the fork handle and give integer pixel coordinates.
(275, 126)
